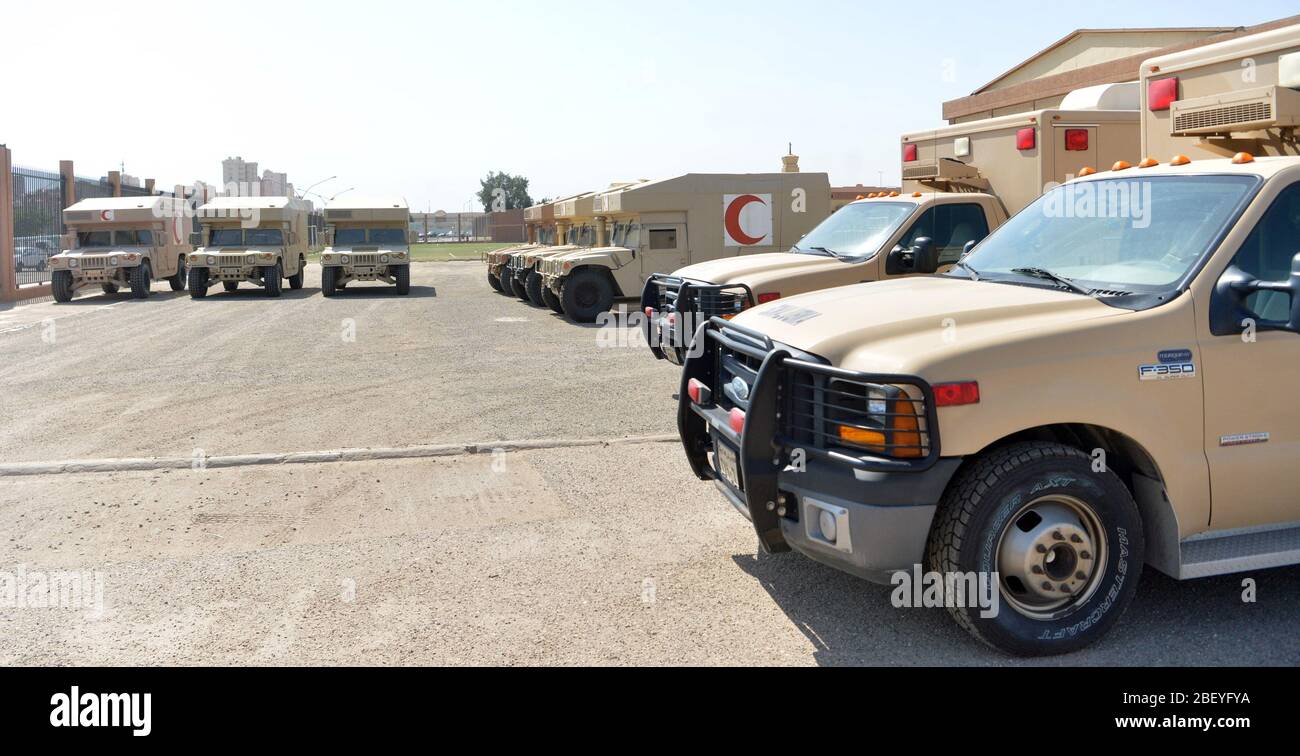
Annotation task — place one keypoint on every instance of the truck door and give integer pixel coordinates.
(663, 248)
(1073, 148)
(950, 225)
(1252, 420)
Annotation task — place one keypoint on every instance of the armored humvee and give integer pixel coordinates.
(122, 242)
(1103, 385)
(261, 240)
(369, 240)
(959, 183)
(666, 225)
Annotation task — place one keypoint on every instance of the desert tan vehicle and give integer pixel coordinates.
(496, 262)
(1099, 386)
(369, 240)
(539, 223)
(666, 225)
(122, 242)
(1242, 95)
(960, 182)
(261, 240)
(575, 229)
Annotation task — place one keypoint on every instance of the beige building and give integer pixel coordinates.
(1085, 58)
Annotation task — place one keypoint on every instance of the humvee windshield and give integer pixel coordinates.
(137, 238)
(95, 239)
(1140, 236)
(236, 237)
(857, 230)
(354, 236)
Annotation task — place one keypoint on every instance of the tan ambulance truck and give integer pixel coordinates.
(1104, 384)
(681, 221)
(122, 242)
(369, 241)
(261, 240)
(959, 183)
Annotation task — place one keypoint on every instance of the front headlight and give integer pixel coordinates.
(212, 260)
(72, 262)
(345, 259)
(383, 258)
(112, 260)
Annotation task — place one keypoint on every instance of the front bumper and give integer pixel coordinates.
(882, 508)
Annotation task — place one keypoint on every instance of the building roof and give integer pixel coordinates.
(1085, 58)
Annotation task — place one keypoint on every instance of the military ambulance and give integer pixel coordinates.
(122, 242)
(260, 240)
(369, 241)
(539, 222)
(675, 222)
(573, 231)
(959, 183)
(1106, 383)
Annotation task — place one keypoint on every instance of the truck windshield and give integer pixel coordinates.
(135, 238)
(348, 236)
(95, 239)
(387, 236)
(857, 230)
(235, 237)
(1135, 235)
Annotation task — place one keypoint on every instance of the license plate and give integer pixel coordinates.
(727, 466)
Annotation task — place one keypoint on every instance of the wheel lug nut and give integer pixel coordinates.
(1056, 536)
(1085, 555)
(1065, 588)
(1080, 575)
(1041, 549)
(1076, 539)
(1036, 570)
(1047, 586)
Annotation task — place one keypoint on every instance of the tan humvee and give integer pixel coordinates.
(539, 222)
(1242, 95)
(369, 240)
(122, 242)
(1104, 384)
(262, 240)
(575, 225)
(666, 225)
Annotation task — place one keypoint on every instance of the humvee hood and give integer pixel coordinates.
(738, 269)
(904, 325)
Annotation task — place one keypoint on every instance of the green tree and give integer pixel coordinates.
(512, 194)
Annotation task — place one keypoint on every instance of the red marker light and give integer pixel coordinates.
(1162, 93)
(1027, 139)
(957, 394)
(737, 421)
(909, 153)
(698, 392)
(649, 312)
(1076, 140)
(771, 296)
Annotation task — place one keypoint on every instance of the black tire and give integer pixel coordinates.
(508, 285)
(533, 287)
(585, 294)
(273, 279)
(329, 276)
(521, 287)
(108, 288)
(198, 284)
(177, 281)
(61, 285)
(141, 280)
(494, 282)
(994, 505)
(552, 301)
(402, 273)
(295, 281)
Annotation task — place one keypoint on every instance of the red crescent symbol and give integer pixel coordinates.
(105, 215)
(176, 230)
(732, 220)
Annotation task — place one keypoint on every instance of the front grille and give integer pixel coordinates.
(827, 412)
(735, 366)
(1230, 115)
(704, 300)
(364, 259)
(94, 262)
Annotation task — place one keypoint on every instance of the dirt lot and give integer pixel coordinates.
(593, 554)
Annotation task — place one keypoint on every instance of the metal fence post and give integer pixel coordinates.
(8, 277)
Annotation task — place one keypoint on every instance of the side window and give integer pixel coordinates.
(1267, 253)
(950, 226)
(663, 238)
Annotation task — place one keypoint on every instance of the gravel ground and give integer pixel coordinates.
(598, 555)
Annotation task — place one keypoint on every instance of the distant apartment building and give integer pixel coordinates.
(236, 171)
(276, 184)
(240, 176)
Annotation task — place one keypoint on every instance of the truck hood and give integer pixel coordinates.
(99, 251)
(738, 269)
(905, 325)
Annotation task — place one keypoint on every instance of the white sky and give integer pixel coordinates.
(421, 99)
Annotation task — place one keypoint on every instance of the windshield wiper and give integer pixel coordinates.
(974, 274)
(831, 252)
(1049, 275)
